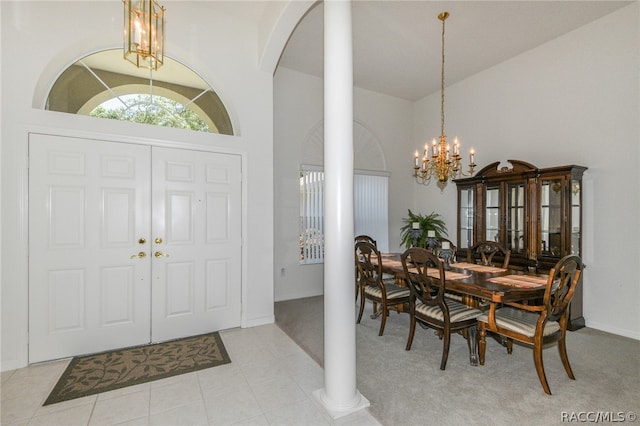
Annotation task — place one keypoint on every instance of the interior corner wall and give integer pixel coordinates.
(574, 100)
(298, 107)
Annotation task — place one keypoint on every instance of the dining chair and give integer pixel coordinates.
(372, 241)
(374, 288)
(451, 245)
(537, 325)
(366, 238)
(385, 277)
(483, 252)
(425, 277)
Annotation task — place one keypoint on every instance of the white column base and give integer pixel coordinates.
(336, 412)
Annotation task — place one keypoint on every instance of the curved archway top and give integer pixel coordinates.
(276, 28)
(367, 150)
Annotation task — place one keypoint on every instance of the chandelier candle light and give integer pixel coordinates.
(144, 33)
(441, 162)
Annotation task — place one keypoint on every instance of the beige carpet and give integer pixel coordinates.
(408, 388)
(92, 374)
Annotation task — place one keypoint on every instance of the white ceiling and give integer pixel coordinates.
(397, 43)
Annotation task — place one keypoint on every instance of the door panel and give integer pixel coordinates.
(196, 216)
(88, 206)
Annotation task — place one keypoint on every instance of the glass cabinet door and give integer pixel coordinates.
(551, 217)
(466, 218)
(492, 214)
(576, 208)
(516, 237)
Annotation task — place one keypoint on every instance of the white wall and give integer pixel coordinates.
(39, 39)
(298, 107)
(574, 100)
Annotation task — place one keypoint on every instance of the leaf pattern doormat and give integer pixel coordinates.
(92, 374)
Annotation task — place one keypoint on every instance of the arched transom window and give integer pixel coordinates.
(104, 85)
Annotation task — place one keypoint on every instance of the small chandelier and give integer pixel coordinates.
(144, 33)
(441, 163)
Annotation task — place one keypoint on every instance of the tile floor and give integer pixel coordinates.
(268, 382)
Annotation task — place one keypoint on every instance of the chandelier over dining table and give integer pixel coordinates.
(439, 161)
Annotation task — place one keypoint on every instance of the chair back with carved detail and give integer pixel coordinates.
(483, 252)
(446, 248)
(561, 286)
(370, 240)
(366, 238)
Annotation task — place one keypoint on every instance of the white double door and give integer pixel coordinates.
(129, 244)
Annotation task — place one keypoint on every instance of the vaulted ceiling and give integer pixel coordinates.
(397, 44)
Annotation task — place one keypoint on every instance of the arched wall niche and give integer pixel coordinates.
(367, 151)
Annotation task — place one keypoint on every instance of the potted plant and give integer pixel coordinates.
(425, 223)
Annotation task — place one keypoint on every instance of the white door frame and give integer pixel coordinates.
(22, 328)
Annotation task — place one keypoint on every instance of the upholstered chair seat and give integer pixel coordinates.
(457, 311)
(520, 321)
(394, 291)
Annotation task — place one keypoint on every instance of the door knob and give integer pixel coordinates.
(158, 240)
(159, 254)
(142, 241)
(140, 255)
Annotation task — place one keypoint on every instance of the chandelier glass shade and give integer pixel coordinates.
(440, 162)
(144, 33)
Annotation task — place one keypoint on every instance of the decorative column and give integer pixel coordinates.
(339, 397)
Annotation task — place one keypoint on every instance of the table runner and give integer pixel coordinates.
(392, 263)
(476, 267)
(448, 274)
(523, 281)
(397, 264)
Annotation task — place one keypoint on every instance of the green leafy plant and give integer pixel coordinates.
(156, 110)
(430, 222)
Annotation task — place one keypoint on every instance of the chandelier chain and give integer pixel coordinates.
(442, 82)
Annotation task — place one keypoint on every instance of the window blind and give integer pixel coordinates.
(311, 216)
(370, 195)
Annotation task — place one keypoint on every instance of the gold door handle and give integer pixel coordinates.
(158, 240)
(140, 255)
(142, 241)
(159, 254)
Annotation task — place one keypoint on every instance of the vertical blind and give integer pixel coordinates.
(311, 216)
(370, 195)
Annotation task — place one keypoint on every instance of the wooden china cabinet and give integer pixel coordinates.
(535, 213)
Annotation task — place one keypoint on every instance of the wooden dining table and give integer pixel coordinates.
(478, 284)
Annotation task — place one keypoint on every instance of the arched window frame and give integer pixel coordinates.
(105, 75)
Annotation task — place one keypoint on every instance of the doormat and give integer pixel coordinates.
(92, 374)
